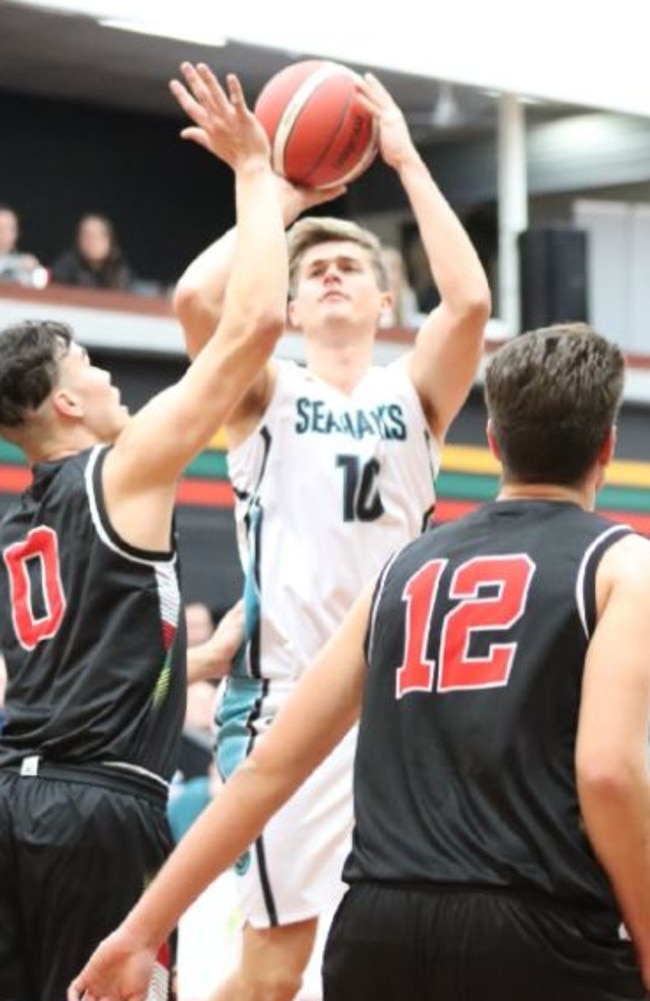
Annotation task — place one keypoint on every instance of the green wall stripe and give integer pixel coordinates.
(212, 464)
(624, 498)
(10, 454)
(209, 465)
(468, 486)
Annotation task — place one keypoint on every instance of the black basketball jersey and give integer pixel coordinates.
(91, 628)
(465, 763)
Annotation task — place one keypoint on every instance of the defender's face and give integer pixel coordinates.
(336, 283)
(91, 391)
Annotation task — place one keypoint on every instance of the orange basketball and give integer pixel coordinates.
(320, 135)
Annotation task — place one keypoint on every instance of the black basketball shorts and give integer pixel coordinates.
(74, 858)
(398, 944)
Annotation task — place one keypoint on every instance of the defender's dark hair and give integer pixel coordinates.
(29, 366)
(552, 395)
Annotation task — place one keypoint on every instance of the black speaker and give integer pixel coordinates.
(553, 276)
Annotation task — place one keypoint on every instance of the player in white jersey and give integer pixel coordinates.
(333, 470)
(318, 466)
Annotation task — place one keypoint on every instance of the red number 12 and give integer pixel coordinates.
(457, 670)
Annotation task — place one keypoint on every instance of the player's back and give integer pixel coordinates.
(465, 764)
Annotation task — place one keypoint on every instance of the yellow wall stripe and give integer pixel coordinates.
(473, 459)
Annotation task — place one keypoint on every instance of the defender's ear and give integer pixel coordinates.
(608, 447)
(492, 441)
(66, 403)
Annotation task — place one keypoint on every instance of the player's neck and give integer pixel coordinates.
(342, 366)
(582, 496)
(55, 447)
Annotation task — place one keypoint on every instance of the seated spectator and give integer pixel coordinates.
(199, 622)
(210, 653)
(96, 259)
(404, 311)
(14, 265)
(196, 745)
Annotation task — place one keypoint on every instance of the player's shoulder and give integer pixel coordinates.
(438, 538)
(623, 574)
(627, 557)
(51, 479)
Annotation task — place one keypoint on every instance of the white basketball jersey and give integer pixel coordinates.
(327, 487)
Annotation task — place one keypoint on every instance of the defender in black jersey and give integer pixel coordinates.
(502, 666)
(90, 621)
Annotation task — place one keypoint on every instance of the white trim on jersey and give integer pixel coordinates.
(582, 570)
(100, 528)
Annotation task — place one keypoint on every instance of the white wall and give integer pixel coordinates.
(619, 269)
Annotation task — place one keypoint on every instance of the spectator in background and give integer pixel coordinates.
(196, 745)
(199, 622)
(14, 265)
(209, 657)
(404, 311)
(96, 260)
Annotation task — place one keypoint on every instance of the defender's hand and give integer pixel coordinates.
(223, 123)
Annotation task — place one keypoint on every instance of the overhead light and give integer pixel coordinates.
(522, 98)
(167, 29)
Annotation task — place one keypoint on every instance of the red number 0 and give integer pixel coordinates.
(41, 544)
(510, 575)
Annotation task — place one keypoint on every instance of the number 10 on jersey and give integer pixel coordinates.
(361, 498)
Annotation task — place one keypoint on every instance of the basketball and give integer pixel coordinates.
(320, 135)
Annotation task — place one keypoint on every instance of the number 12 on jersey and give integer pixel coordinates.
(508, 578)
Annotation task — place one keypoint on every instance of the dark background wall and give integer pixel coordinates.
(166, 197)
(169, 198)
